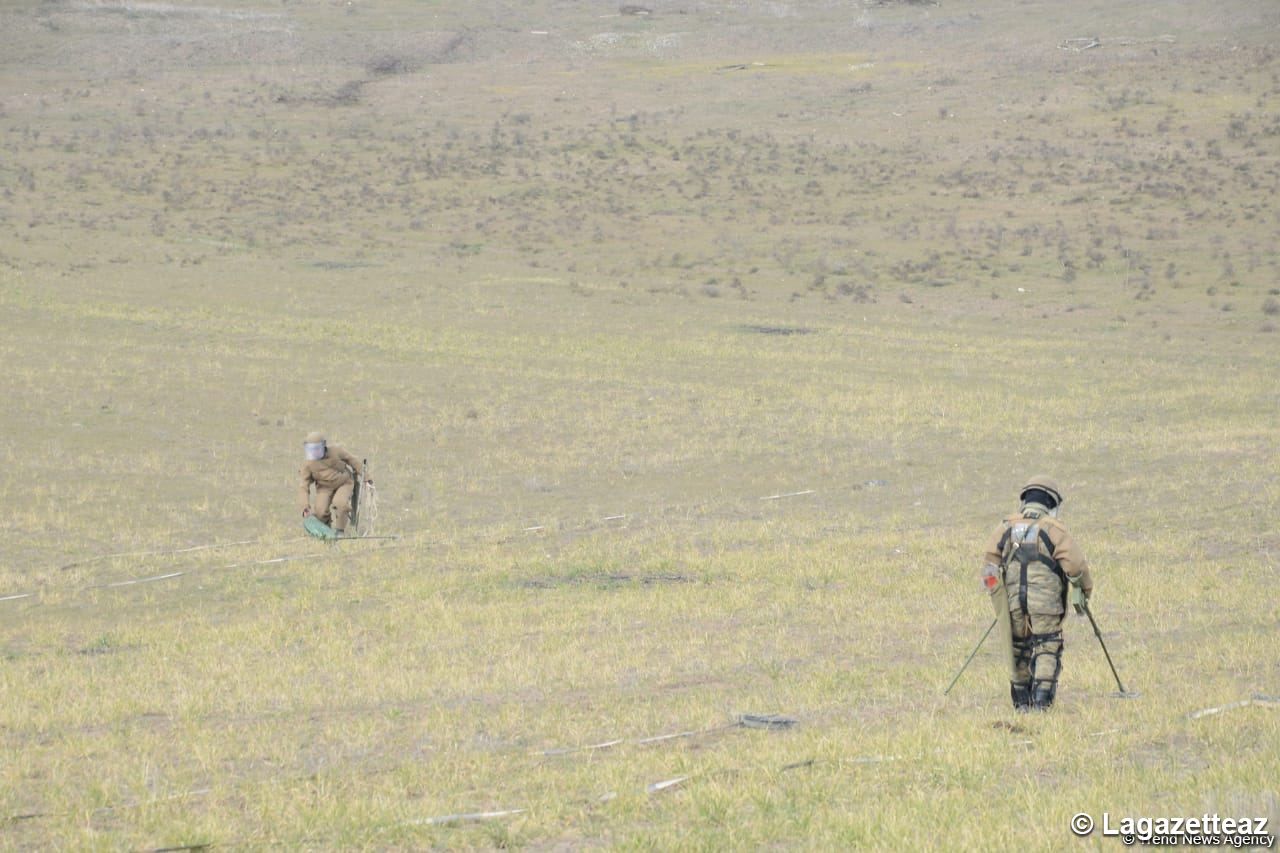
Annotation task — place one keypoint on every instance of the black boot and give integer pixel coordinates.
(1042, 696)
(1021, 695)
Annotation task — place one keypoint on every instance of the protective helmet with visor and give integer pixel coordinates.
(314, 446)
(1042, 491)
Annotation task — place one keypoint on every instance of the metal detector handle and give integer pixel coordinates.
(357, 478)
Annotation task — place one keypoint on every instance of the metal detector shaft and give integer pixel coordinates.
(972, 654)
(1098, 634)
(355, 494)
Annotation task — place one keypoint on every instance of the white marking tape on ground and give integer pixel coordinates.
(104, 809)
(464, 818)
(661, 738)
(660, 510)
(146, 580)
(171, 575)
(655, 787)
(788, 495)
(1257, 699)
(162, 552)
(569, 750)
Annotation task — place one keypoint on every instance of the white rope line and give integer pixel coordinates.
(788, 495)
(88, 560)
(372, 506)
(470, 817)
(1257, 699)
(652, 787)
(655, 787)
(186, 795)
(141, 580)
(368, 509)
(740, 721)
(609, 744)
(330, 556)
(266, 562)
(171, 575)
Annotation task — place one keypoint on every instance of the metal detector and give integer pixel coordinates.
(972, 655)
(1122, 694)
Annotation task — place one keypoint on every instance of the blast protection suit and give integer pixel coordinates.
(334, 480)
(1030, 560)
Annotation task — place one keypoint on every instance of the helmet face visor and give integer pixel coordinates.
(1037, 495)
(314, 450)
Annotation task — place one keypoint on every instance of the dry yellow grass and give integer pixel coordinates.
(691, 393)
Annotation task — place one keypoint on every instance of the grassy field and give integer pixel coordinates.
(695, 353)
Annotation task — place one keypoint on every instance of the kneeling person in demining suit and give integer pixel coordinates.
(1031, 564)
(333, 471)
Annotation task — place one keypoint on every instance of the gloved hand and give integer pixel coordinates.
(1079, 599)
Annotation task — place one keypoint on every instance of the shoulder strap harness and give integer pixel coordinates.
(1024, 543)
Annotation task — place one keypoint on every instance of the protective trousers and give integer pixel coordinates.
(1037, 659)
(332, 506)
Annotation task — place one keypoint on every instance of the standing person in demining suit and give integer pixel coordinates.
(333, 472)
(1031, 564)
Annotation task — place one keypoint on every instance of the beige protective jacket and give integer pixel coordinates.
(1042, 590)
(332, 472)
